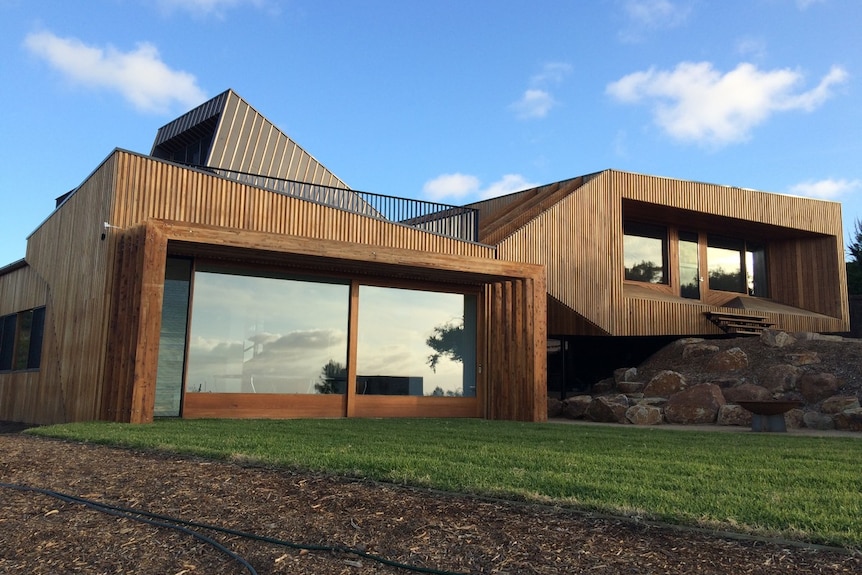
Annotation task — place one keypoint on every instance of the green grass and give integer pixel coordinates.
(804, 488)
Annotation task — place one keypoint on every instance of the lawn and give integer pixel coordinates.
(803, 488)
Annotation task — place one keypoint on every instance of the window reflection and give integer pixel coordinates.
(266, 335)
(737, 266)
(416, 343)
(645, 252)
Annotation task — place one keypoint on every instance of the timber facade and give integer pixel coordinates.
(230, 274)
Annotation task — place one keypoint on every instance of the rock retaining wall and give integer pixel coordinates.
(699, 381)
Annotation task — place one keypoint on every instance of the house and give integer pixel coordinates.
(230, 274)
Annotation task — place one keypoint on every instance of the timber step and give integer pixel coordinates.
(742, 324)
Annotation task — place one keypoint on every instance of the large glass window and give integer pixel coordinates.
(645, 252)
(736, 265)
(7, 341)
(416, 343)
(252, 334)
(172, 339)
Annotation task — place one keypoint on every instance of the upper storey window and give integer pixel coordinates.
(645, 252)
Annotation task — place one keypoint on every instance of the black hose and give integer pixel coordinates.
(174, 523)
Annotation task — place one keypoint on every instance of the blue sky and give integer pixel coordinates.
(444, 100)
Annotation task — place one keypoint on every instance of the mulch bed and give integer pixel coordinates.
(433, 531)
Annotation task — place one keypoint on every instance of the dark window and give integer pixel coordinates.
(21, 337)
(7, 341)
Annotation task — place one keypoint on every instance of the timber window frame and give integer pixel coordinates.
(748, 274)
(21, 336)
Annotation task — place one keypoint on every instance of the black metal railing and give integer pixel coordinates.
(447, 220)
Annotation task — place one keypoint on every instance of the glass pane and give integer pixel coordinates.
(724, 260)
(7, 340)
(755, 267)
(172, 340)
(34, 358)
(689, 266)
(416, 343)
(644, 253)
(267, 335)
(22, 345)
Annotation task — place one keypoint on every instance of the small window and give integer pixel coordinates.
(645, 252)
(21, 340)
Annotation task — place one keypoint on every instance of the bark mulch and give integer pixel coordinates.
(435, 532)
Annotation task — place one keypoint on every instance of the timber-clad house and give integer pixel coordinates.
(230, 274)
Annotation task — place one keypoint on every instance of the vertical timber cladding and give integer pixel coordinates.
(135, 325)
(516, 371)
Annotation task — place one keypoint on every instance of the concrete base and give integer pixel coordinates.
(773, 422)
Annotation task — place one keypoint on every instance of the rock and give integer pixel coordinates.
(839, 403)
(815, 387)
(816, 420)
(664, 384)
(653, 401)
(682, 342)
(555, 407)
(746, 392)
(728, 360)
(794, 419)
(644, 414)
(814, 336)
(803, 358)
(575, 407)
(733, 415)
(607, 410)
(696, 405)
(776, 338)
(625, 374)
(698, 350)
(604, 386)
(630, 387)
(781, 377)
(726, 382)
(849, 420)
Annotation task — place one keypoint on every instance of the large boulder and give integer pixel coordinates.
(575, 407)
(698, 404)
(815, 387)
(817, 420)
(803, 358)
(665, 384)
(794, 419)
(730, 414)
(780, 378)
(643, 414)
(839, 403)
(694, 350)
(625, 374)
(732, 359)
(555, 407)
(608, 409)
(746, 392)
(776, 338)
(849, 420)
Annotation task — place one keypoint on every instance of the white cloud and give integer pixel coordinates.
(140, 75)
(456, 187)
(650, 15)
(803, 4)
(450, 187)
(204, 7)
(508, 184)
(696, 103)
(828, 189)
(656, 14)
(534, 104)
(537, 100)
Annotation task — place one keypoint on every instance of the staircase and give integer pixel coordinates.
(739, 324)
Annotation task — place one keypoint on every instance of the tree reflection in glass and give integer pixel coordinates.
(394, 356)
